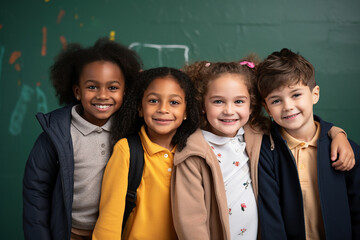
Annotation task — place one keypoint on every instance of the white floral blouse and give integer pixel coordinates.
(234, 164)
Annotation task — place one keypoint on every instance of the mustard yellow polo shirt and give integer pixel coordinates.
(151, 218)
(305, 154)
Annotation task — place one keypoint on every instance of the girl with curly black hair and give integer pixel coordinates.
(163, 110)
(62, 180)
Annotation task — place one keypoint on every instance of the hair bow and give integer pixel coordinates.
(249, 64)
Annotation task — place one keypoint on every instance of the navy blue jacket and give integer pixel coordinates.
(49, 179)
(281, 210)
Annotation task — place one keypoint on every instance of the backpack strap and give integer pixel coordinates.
(136, 167)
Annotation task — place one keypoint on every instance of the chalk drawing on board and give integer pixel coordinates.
(18, 115)
(161, 48)
(41, 100)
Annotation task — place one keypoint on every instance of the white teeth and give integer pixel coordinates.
(291, 116)
(224, 120)
(102, 106)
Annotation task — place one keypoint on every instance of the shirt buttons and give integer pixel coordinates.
(102, 152)
(302, 144)
(166, 155)
(103, 145)
(169, 169)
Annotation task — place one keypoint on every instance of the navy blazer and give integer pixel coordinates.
(49, 179)
(281, 210)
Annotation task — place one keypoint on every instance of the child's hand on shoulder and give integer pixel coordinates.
(342, 154)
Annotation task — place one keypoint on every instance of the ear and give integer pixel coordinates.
(141, 113)
(315, 94)
(266, 108)
(76, 91)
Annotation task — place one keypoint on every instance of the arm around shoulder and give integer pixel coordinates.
(341, 151)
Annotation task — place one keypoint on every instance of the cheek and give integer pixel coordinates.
(211, 116)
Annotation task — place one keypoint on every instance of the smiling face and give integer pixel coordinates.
(163, 108)
(100, 90)
(292, 108)
(227, 104)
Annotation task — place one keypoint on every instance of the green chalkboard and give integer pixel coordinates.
(164, 32)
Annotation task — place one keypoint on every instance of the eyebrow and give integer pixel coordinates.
(217, 96)
(158, 95)
(292, 91)
(95, 81)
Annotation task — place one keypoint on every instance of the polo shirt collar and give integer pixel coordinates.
(84, 126)
(150, 147)
(220, 140)
(293, 142)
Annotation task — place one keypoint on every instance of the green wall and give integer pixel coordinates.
(164, 32)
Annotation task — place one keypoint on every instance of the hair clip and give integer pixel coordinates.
(249, 64)
(207, 64)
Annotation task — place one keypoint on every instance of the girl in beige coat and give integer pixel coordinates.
(213, 196)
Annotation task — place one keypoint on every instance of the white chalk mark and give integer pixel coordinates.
(160, 48)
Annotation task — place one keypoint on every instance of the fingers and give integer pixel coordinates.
(345, 162)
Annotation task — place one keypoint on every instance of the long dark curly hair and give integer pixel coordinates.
(68, 65)
(127, 121)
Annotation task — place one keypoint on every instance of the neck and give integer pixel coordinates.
(161, 140)
(305, 134)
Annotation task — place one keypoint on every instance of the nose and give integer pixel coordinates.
(229, 109)
(163, 108)
(288, 105)
(102, 93)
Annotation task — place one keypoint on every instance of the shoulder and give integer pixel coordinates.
(58, 118)
(120, 156)
(324, 126)
(122, 145)
(196, 146)
(266, 142)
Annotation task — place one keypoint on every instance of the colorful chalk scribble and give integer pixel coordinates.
(14, 56)
(60, 16)
(63, 42)
(17, 67)
(43, 48)
(18, 115)
(112, 35)
(41, 100)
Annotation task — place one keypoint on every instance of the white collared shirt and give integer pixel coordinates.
(234, 164)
